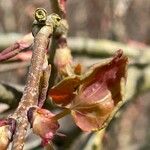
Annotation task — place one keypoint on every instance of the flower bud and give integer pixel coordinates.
(43, 123)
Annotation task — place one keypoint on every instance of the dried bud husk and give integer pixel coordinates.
(63, 61)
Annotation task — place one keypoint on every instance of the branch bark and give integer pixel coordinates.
(31, 92)
(58, 6)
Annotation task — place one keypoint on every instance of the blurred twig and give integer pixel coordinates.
(58, 6)
(92, 47)
(14, 65)
(15, 48)
(10, 95)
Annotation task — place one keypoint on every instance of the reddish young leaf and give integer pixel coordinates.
(43, 123)
(63, 93)
(99, 93)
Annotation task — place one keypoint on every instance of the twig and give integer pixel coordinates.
(10, 38)
(9, 49)
(31, 92)
(62, 29)
(11, 52)
(92, 47)
(30, 95)
(15, 48)
(101, 47)
(13, 66)
(9, 95)
(62, 58)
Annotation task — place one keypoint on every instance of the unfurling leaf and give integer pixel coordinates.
(93, 96)
(63, 92)
(43, 123)
(99, 93)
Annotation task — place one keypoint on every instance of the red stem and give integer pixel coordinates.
(12, 51)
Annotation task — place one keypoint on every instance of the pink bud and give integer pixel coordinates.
(43, 123)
